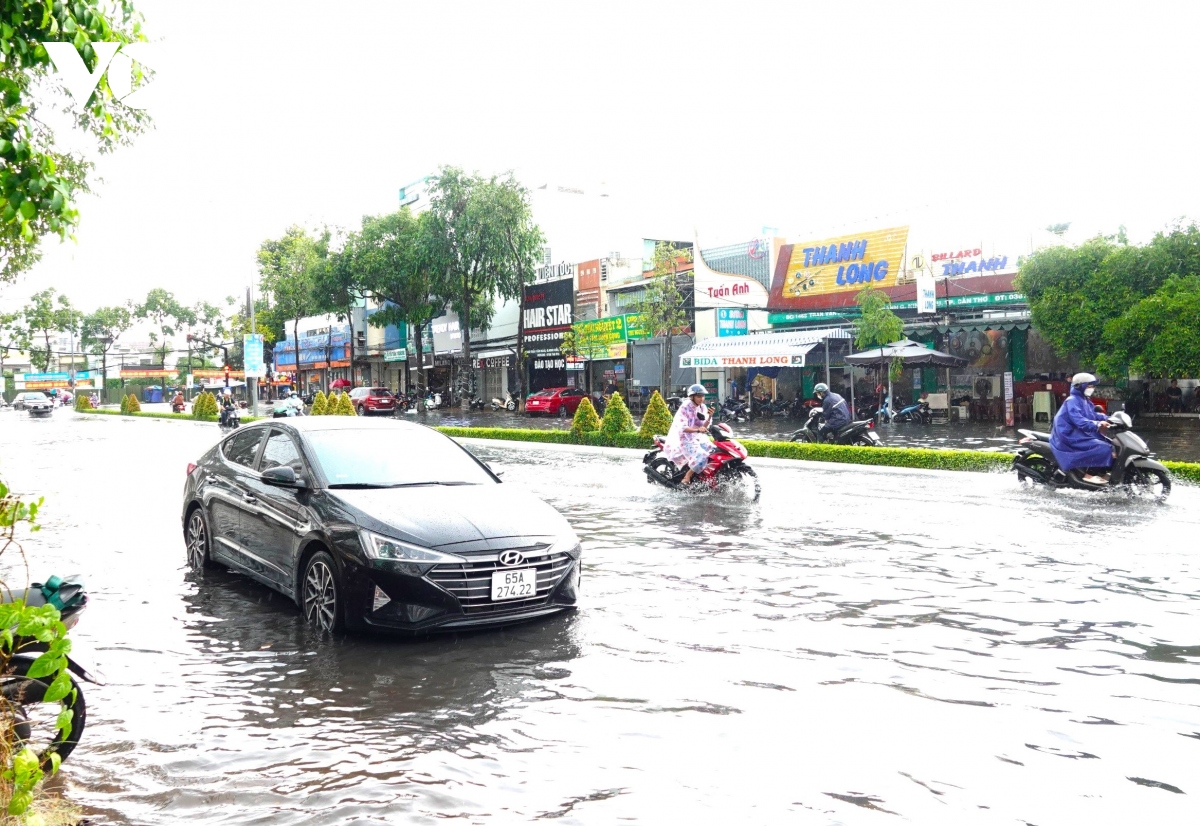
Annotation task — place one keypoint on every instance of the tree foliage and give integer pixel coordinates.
(320, 405)
(586, 419)
(46, 314)
(663, 306)
(1116, 305)
(657, 419)
(39, 180)
(345, 407)
(877, 325)
(617, 418)
(287, 268)
(205, 407)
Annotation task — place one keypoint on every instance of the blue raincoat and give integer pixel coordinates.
(1075, 437)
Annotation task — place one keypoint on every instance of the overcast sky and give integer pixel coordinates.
(726, 118)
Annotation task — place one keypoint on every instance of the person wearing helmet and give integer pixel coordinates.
(1076, 437)
(685, 443)
(834, 407)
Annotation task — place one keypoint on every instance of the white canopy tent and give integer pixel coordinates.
(788, 349)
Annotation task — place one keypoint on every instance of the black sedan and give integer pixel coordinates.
(377, 525)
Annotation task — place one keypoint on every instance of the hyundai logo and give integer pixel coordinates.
(510, 558)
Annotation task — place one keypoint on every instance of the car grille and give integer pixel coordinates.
(471, 581)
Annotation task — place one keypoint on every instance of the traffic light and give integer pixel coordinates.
(226, 375)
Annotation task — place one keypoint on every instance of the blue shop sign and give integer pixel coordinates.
(731, 322)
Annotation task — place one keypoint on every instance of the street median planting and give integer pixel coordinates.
(186, 417)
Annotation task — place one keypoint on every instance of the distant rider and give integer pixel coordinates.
(1076, 438)
(686, 442)
(837, 412)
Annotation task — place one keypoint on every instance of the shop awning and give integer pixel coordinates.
(908, 353)
(765, 350)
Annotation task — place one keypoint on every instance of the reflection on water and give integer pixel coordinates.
(947, 648)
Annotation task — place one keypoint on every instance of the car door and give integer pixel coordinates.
(226, 490)
(276, 518)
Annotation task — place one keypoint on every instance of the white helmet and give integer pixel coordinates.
(1084, 379)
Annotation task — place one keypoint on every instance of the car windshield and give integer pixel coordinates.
(34, 397)
(392, 458)
(380, 392)
(544, 394)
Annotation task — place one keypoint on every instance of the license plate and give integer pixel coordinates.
(520, 583)
(874, 437)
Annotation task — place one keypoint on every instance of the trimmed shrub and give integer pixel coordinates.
(124, 404)
(345, 407)
(82, 402)
(656, 421)
(132, 405)
(616, 417)
(205, 407)
(586, 419)
(320, 405)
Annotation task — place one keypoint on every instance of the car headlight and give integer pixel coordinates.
(568, 545)
(386, 548)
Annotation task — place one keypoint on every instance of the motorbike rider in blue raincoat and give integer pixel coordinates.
(837, 412)
(1076, 437)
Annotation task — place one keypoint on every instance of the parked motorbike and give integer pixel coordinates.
(726, 464)
(34, 717)
(509, 403)
(477, 403)
(918, 413)
(734, 411)
(860, 432)
(1133, 470)
(433, 400)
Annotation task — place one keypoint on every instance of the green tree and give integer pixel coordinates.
(488, 241)
(586, 419)
(877, 325)
(617, 418)
(1077, 294)
(657, 419)
(12, 335)
(286, 268)
(345, 407)
(39, 180)
(664, 306)
(168, 316)
(45, 314)
(399, 260)
(337, 288)
(1159, 336)
(99, 332)
(320, 405)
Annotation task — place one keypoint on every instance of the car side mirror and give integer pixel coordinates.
(283, 477)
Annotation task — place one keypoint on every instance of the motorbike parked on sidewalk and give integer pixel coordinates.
(726, 464)
(861, 433)
(33, 716)
(918, 412)
(509, 403)
(433, 400)
(1132, 471)
(734, 411)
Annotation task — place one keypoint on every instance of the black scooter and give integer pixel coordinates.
(1133, 470)
(23, 693)
(861, 433)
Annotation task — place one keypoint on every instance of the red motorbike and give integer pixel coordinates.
(726, 464)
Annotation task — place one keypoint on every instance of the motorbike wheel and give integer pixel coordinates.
(866, 441)
(1148, 483)
(802, 436)
(33, 717)
(745, 473)
(510, 407)
(664, 469)
(1035, 463)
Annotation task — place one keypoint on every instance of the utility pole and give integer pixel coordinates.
(252, 382)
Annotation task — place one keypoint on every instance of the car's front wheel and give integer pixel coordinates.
(322, 595)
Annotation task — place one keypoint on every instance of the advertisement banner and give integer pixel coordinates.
(447, 337)
(843, 263)
(1009, 418)
(731, 322)
(720, 362)
(926, 294)
(252, 356)
(395, 355)
(549, 313)
(217, 373)
(147, 372)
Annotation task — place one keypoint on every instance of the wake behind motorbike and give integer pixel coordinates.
(860, 433)
(1132, 470)
(726, 464)
(25, 697)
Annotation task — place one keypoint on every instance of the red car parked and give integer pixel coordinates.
(369, 400)
(555, 401)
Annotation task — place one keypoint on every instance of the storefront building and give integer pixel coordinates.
(493, 353)
(386, 354)
(549, 314)
(324, 355)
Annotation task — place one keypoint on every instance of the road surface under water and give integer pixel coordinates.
(945, 648)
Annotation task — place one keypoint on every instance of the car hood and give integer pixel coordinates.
(439, 515)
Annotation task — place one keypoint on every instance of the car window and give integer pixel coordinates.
(392, 457)
(357, 392)
(280, 450)
(380, 392)
(242, 448)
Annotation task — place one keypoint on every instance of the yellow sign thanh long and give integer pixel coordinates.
(842, 263)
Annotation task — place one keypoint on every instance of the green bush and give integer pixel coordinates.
(82, 402)
(586, 419)
(616, 417)
(205, 408)
(656, 421)
(345, 407)
(132, 405)
(320, 405)
(124, 404)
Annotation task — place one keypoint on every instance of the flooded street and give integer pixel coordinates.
(944, 648)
